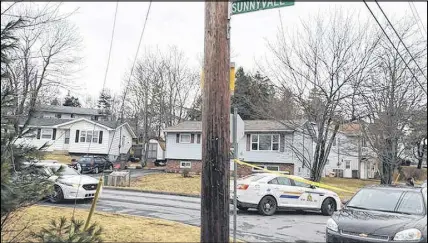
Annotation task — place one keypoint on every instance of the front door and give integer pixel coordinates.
(288, 194)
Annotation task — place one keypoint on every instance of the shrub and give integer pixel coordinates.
(63, 232)
(185, 173)
(408, 172)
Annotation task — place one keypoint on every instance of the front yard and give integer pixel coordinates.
(116, 227)
(176, 183)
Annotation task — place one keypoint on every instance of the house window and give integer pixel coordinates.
(272, 168)
(123, 141)
(185, 138)
(58, 115)
(89, 136)
(47, 133)
(152, 150)
(67, 137)
(185, 165)
(266, 167)
(334, 142)
(363, 142)
(265, 142)
(347, 164)
(198, 138)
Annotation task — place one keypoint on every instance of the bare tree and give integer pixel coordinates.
(393, 98)
(161, 92)
(322, 63)
(43, 58)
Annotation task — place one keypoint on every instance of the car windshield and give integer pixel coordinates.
(388, 201)
(85, 160)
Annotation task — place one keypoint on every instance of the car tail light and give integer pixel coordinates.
(242, 187)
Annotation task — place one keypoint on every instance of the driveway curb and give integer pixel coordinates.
(148, 191)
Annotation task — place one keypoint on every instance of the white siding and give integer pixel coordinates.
(86, 147)
(116, 140)
(176, 150)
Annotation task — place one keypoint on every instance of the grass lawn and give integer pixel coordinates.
(62, 158)
(116, 227)
(170, 182)
(347, 184)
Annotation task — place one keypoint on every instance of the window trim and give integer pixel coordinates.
(271, 142)
(346, 164)
(44, 132)
(182, 134)
(85, 133)
(185, 166)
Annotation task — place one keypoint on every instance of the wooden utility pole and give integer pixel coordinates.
(215, 125)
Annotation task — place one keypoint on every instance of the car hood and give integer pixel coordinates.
(376, 223)
(76, 179)
(324, 191)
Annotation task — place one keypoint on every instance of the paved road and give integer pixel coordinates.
(252, 227)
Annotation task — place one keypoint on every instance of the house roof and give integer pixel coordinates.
(272, 125)
(68, 110)
(51, 122)
(350, 128)
(186, 126)
(250, 126)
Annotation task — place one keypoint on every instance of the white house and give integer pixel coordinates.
(350, 157)
(274, 145)
(77, 131)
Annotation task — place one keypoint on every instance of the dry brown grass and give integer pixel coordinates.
(62, 158)
(352, 185)
(116, 227)
(169, 182)
(176, 183)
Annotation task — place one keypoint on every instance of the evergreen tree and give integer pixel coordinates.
(71, 101)
(55, 102)
(253, 95)
(105, 102)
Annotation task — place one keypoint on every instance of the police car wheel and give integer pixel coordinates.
(267, 206)
(328, 207)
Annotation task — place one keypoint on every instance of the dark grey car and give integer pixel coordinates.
(381, 214)
(94, 164)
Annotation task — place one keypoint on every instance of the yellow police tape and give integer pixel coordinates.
(296, 178)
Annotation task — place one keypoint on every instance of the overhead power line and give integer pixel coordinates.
(418, 18)
(401, 40)
(398, 52)
(129, 80)
(111, 45)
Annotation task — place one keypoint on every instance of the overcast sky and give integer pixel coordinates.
(182, 24)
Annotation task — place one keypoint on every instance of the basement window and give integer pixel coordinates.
(185, 165)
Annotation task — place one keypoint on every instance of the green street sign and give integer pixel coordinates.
(243, 6)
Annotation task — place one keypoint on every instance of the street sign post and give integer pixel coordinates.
(244, 6)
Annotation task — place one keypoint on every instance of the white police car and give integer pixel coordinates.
(69, 184)
(269, 193)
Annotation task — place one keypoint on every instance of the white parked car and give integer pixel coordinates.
(70, 184)
(269, 193)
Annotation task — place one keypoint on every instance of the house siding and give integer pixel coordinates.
(79, 147)
(114, 140)
(184, 151)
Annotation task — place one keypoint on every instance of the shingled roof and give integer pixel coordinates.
(49, 122)
(250, 126)
(68, 110)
